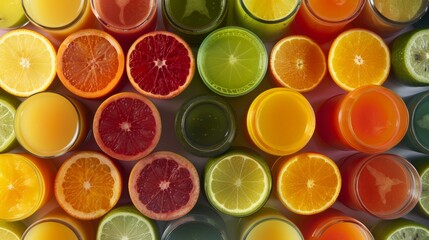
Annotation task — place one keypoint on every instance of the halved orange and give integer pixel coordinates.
(358, 57)
(90, 63)
(88, 185)
(307, 183)
(297, 62)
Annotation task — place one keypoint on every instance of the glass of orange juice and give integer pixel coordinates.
(49, 124)
(322, 20)
(333, 224)
(26, 185)
(59, 18)
(388, 17)
(370, 119)
(280, 121)
(59, 225)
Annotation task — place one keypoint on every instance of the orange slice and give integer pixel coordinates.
(90, 63)
(297, 62)
(88, 185)
(357, 58)
(307, 183)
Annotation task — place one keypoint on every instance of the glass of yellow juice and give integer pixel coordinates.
(59, 225)
(49, 124)
(59, 18)
(26, 185)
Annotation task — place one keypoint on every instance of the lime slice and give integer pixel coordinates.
(11, 230)
(237, 183)
(410, 57)
(400, 229)
(126, 222)
(232, 61)
(8, 106)
(271, 9)
(422, 166)
(410, 232)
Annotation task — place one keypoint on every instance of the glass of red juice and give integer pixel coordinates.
(370, 119)
(332, 224)
(126, 20)
(385, 185)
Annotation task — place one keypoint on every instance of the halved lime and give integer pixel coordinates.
(237, 183)
(126, 222)
(410, 57)
(11, 230)
(400, 229)
(8, 105)
(422, 166)
(232, 61)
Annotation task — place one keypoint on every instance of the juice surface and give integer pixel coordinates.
(54, 13)
(47, 124)
(50, 231)
(195, 230)
(11, 14)
(382, 189)
(270, 9)
(124, 14)
(399, 10)
(334, 10)
(344, 231)
(421, 122)
(273, 229)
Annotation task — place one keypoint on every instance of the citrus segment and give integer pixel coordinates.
(11, 230)
(90, 63)
(127, 126)
(126, 222)
(297, 62)
(8, 107)
(237, 183)
(88, 185)
(270, 9)
(358, 57)
(410, 57)
(164, 186)
(160, 65)
(27, 61)
(307, 183)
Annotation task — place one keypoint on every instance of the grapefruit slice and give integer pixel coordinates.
(164, 186)
(127, 126)
(160, 65)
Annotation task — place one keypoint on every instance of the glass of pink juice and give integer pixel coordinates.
(370, 119)
(333, 225)
(126, 20)
(385, 185)
(322, 20)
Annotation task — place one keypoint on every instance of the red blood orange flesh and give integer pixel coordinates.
(127, 126)
(164, 186)
(160, 65)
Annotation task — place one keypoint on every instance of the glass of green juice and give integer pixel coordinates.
(232, 61)
(12, 14)
(202, 223)
(194, 20)
(417, 136)
(205, 125)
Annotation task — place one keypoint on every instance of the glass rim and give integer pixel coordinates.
(188, 106)
(53, 220)
(351, 137)
(416, 101)
(319, 231)
(104, 23)
(82, 10)
(422, 10)
(356, 12)
(255, 134)
(41, 183)
(256, 18)
(267, 219)
(16, 26)
(413, 193)
(72, 142)
(195, 31)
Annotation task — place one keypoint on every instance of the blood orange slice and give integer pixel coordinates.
(164, 186)
(127, 126)
(160, 65)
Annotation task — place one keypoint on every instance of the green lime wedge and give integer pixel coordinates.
(126, 222)
(232, 61)
(400, 229)
(8, 105)
(11, 230)
(410, 57)
(237, 183)
(422, 166)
